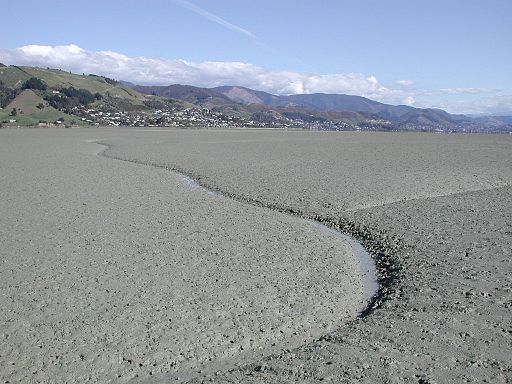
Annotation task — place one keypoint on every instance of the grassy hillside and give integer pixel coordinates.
(48, 115)
(50, 103)
(26, 102)
(14, 77)
(32, 109)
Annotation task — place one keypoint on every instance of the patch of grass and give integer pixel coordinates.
(13, 77)
(4, 115)
(26, 101)
(48, 114)
(61, 79)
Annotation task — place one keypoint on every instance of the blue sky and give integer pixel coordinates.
(454, 54)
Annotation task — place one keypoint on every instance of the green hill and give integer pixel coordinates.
(28, 113)
(53, 94)
(14, 76)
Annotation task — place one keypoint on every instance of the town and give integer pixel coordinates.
(196, 117)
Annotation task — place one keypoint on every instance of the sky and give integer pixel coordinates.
(450, 54)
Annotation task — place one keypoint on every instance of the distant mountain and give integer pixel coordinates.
(330, 107)
(432, 116)
(249, 96)
(259, 106)
(35, 96)
(230, 95)
(498, 122)
(317, 102)
(321, 102)
(505, 119)
(199, 96)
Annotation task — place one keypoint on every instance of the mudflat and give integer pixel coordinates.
(112, 270)
(103, 251)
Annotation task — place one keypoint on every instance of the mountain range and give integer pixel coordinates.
(32, 96)
(332, 106)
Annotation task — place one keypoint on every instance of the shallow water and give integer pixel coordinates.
(366, 262)
(194, 185)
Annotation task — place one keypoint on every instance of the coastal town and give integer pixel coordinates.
(195, 117)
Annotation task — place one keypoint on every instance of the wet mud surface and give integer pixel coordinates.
(434, 210)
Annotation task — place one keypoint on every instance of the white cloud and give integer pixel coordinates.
(153, 71)
(404, 83)
(409, 100)
(460, 91)
(142, 70)
(499, 104)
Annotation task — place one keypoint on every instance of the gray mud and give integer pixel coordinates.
(435, 211)
(111, 270)
(366, 264)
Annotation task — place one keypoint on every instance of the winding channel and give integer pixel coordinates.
(367, 265)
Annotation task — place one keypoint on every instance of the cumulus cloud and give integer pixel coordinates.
(142, 70)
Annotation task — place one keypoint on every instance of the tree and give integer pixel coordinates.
(6, 94)
(40, 106)
(34, 83)
(69, 98)
(14, 112)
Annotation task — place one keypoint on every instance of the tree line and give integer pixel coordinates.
(67, 98)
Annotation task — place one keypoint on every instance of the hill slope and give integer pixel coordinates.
(264, 109)
(199, 96)
(31, 95)
(58, 95)
(401, 117)
(402, 114)
(369, 114)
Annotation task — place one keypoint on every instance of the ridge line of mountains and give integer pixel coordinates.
(318, 106)
(47, 97)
